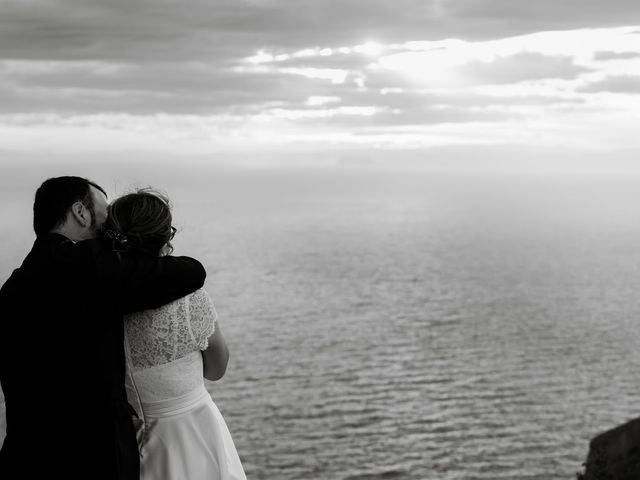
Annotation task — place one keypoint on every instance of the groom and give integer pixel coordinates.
(62, 362)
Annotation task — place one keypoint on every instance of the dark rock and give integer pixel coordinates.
(614, 454)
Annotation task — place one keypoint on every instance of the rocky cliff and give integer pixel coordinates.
(614, 454)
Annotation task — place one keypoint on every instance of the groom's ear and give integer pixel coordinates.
(80, 213)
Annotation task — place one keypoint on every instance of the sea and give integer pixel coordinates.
(399, 324)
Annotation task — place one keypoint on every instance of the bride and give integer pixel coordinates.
(181, 433)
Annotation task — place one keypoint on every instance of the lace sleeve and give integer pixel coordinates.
(202, 317)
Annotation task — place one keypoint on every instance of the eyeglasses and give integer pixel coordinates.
(173, 232)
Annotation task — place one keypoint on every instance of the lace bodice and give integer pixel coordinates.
(165, 334)
(163, 348)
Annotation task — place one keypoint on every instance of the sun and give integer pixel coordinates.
(434, 67)
(437, 63)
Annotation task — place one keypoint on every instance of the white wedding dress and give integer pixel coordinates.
(181, 433)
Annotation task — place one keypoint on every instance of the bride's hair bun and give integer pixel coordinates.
(140, 222)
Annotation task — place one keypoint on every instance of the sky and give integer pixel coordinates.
(349, 81)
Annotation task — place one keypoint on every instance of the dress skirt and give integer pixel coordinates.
(186, 438)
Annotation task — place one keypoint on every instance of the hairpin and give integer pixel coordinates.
(116, 237)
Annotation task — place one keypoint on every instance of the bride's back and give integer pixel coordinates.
(163, 348)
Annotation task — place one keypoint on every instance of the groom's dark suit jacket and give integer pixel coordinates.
(62, 361)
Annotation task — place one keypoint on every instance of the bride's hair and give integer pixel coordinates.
(140, 222)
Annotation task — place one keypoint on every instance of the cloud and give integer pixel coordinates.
(511, 18)
(152, 30)
(444, 71)
(191, 87)
(608, 55)
(346, 61)
(522, 67)
(262, 72)
(629, 84)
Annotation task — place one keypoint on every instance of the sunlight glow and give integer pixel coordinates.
(333, 74)
(260, 57)
(372, 49)
(316, 101)
(437, 60)
(293, 114)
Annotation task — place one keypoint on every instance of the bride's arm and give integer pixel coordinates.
(207, 334)
(216, 356)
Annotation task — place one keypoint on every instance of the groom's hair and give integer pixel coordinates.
(55, 197)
